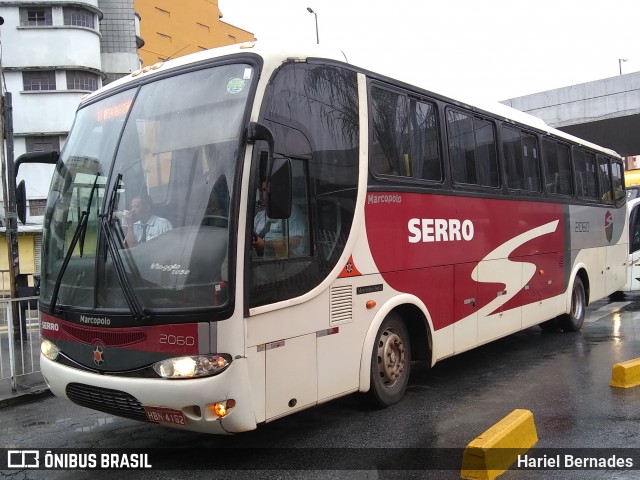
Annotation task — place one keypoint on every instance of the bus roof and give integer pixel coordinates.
(274, 55)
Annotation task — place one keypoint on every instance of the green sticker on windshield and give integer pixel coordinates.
(235, 85)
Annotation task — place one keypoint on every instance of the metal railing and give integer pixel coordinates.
(19, 338)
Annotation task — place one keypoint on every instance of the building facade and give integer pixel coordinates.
(172, 29)
(54, 52)
(120, 30)
(50, 60)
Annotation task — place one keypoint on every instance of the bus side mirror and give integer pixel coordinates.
(257, 131)
(21, 192)
(36, 157)
(280, 189)
(21, 202)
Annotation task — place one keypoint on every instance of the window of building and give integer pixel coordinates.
(39, 80)
(521, 159)
(558, 167)
(472, 149)
(163, 12)
(35, 16)
(164, 37)
(203, 26)
(80, 80)
(37, 207)
(42, 143)
(405, 136)
(79, 17)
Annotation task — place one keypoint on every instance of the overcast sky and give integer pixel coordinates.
(490, 49)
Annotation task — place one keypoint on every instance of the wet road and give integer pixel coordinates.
(562, 378)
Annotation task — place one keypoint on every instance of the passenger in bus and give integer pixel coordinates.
(286, 238)
(279, 238)
(142, 224)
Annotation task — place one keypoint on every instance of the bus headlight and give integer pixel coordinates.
(192, 367)
(49, 349)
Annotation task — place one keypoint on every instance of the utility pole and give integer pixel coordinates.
(9, 189)
(8, 175)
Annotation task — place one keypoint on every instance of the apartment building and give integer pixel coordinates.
(172, 29)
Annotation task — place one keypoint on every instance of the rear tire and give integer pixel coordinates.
(573, 321)
(390, 362)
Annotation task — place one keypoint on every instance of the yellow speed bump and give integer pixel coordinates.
(493, 452)
(626, 374)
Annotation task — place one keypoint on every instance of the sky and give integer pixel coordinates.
(485, 49)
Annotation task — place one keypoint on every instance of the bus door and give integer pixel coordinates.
(312, 113)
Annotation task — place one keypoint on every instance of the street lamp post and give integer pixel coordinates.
(310, 10)
(620, 60)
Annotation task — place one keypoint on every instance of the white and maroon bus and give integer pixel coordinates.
(328, 226)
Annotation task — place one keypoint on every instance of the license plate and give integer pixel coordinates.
(165, 415)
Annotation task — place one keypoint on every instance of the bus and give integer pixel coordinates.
(325, 227)
(633, 271)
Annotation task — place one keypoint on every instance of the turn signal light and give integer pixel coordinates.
(221, 409)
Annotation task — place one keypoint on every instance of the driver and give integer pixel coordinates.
(142, 225)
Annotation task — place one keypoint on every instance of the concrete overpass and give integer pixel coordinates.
(605, 112)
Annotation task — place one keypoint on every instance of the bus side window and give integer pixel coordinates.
(604, 180)
(475, 138)
(390, 123)
(618, 183)
(557, 167)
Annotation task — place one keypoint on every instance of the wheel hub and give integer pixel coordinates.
(391, 357)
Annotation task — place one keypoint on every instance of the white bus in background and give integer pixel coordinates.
(633, 267)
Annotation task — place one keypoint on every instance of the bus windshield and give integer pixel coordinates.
(139, 203)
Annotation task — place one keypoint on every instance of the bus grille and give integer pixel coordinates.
(341, 304)
(108, 338)
(105, 400)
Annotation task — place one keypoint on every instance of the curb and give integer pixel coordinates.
(494, 451)
(25, 396)
(626, 374)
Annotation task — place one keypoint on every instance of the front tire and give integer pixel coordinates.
(390, 362)
(573, 321)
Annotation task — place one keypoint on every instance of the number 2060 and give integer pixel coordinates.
(177, 339)
(582, 227)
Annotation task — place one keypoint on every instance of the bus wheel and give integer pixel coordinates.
(572, 321)
(390, 362)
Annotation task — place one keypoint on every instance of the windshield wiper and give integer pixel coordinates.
(129, 293)
(78, 235)
(114, 196)
(86, 222)
(135, 306)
